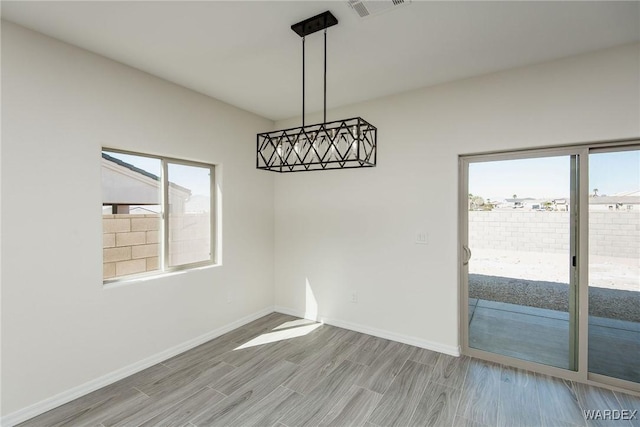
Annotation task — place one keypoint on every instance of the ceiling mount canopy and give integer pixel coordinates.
(341, 144)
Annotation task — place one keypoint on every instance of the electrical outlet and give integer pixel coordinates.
(229, 297)
(354, 297)
(422, 238)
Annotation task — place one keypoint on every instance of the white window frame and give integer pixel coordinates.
(163, 254)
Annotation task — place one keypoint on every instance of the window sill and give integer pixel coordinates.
(126, 281)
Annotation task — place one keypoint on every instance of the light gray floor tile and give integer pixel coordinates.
(256, 389)
(463, 422)
(319, 366)
(518, 404)
(630, 403)
(437, 407)
(261, 362)
(480, 394)
(403, 395)
(321, 400)
(145, 410)
(558, 400)
(596, 398)
(207, 351)
(369, 350)
(424, 356)
(450, 370)
(181, 414)
(380, 374)
(196, 376)
(353, 409)
(269, 410)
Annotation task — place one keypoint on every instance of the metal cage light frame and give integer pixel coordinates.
(340, 144)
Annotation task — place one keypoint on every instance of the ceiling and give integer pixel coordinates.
(244, 53)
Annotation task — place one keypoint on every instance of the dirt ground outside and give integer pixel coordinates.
(541, 280)
(604, 272)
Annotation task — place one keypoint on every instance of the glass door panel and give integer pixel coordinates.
(519, 258)
(614, 264)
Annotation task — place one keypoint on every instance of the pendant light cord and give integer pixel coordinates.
(325, 79)
(325, 76)
(303, 82)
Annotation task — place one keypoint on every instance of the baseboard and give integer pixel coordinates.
(405, 339)
(83, 389)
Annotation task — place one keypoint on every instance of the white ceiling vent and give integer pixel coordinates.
(365, 8)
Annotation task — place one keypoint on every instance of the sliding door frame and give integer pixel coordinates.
(579, 294)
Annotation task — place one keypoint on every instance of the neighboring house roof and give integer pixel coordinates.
(142, 171)
(141, 210)
(612, 200)
(523, 199)
(635, 193)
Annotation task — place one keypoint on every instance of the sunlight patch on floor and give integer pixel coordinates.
(275, 336)
(295, 324)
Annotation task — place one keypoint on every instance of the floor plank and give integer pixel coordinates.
(208, 351)
(258, 327)
(450, 371)
(596, 398)
(319, 366)
(480, 394)
(369, 350)
(437, 407)
(321, 400)
(145, 410)
(269, 357)
(197, 376)
(310, 345)
(558, 400)
(179, 415)
(630, 403)
(402, 397)
(353, 409)
(256, 389)
(463, 422)
(385, 367)
(518, 403)
(269, 410)
(424, 356)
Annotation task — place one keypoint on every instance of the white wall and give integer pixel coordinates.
(354, 230)
(60, 327)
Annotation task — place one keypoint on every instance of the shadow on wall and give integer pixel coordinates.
(610, 303)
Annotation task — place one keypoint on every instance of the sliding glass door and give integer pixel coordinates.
(519, 253)
(550, 260)
(614, 263)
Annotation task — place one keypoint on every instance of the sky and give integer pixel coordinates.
(549, 177)
(194, 178)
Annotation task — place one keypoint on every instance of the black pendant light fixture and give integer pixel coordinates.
(341, 144)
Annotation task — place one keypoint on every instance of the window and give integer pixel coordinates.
(157, 214)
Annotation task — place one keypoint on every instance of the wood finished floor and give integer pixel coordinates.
(283, 371)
